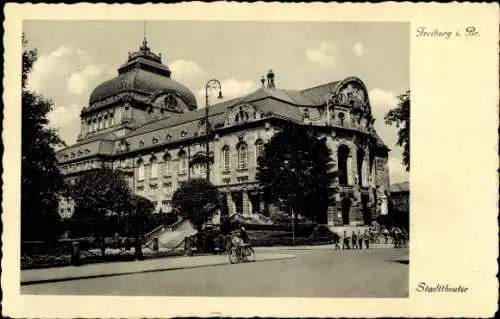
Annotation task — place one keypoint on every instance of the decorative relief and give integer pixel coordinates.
(352, 95)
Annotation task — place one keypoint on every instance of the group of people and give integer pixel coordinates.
(395, 235)
(354, 241)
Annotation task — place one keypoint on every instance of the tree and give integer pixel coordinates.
(401, 117)
(41, 181)
(97, 194)
(139, 209)
(296, 171)
(196, 201)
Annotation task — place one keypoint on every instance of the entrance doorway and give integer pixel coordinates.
(238, 202)
(346, 207)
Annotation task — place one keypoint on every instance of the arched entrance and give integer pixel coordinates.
(342, 155)
(346, 207)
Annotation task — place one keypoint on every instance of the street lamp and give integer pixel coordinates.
(211, 84)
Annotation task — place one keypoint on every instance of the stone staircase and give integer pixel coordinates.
(169, 237)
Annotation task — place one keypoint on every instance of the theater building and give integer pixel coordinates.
(150, 126)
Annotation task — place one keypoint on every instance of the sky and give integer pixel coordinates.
(75, 56)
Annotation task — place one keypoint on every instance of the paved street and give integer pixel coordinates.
(314, 272)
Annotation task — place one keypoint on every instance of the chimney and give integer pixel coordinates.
(270, 79)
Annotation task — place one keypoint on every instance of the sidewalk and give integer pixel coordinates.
(35, 276)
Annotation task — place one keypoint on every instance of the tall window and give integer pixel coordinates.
(242, 156)
(183, 163)
(140, 171)
(225, 159)
(154, 168)
(259, 150)
(167, 189)
(343, 167)
(167, 161)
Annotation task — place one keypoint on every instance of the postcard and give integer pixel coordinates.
(241, 160)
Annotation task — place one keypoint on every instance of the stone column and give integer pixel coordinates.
(230, 204)
(350, 177)
(247, 205)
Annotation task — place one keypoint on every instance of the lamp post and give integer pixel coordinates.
(211, 84)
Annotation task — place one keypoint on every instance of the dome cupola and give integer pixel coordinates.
(141, 76)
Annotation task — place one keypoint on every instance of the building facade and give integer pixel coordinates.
(150, 126)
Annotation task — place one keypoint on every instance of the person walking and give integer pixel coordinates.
(354, 240)
(345, 239)
(367, 239)
(385, 232)
(360, 240)
(336, 241)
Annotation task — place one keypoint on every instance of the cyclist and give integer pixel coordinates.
(244, 236)
(237, 241)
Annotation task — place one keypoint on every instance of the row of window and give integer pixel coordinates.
(166, 166)
(101, 122)
(242, 153)
(199, 169)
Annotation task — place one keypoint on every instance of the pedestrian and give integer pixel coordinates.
(336, 241)
(360, 240)
(385, 232)
(345, 243)
(367, 239)
(354, 240)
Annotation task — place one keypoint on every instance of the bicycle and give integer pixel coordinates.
(245, 254)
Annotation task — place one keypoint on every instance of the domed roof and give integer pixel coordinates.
(143, 73)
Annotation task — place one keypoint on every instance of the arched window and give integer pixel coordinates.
(259, 150)
(242, 156)
(99, 123)
(183, 163)
(342, 159)
(140, 170)
(105, 121)
(225, 159)
(167, 165)
(111, 119)
(94, 126)
(89, 125)
(154, 168)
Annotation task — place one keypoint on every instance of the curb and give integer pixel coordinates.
(43, 281)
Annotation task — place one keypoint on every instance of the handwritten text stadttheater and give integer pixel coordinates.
(433, 33)
(424, 287)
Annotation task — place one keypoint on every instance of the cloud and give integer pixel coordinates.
(78, 82)
(188, 73)
(66, 119)
(359, 49)
(323, 55)
(231, 88)
(67, 76)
